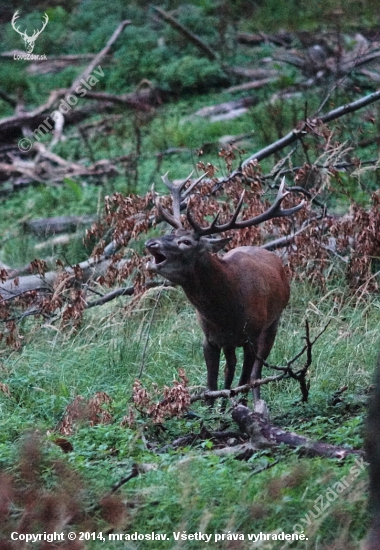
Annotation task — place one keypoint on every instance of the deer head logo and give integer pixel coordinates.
(29, 40)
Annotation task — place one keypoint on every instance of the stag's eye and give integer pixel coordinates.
(186, 242)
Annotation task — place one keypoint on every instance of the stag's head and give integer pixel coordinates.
(176, 255)
(29, 40)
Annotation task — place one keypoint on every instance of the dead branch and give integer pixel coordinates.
(207, 394)
(143, 99)
(280, 39)
(12, 126)
(296, 133)
(253, 85)
(12, 288)
(260, 431)
(97, 59)
(125, 291)
(202, 46)
(289, 239)
(25, 119)
(218, 436)
(300, 375)
(226, 107)
(252, 74)
(136, 470)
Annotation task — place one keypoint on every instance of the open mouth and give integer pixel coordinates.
(159, 258)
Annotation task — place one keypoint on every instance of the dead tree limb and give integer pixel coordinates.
(296, 133)
(13, 287)
(300, 375)
(289, 239)
(125, 291)
(253, 85)
(235, 391)
(202, 46)
(97, 59)
(142, 99)
(256, 427)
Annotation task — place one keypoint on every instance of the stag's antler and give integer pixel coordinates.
(17, 29)
(179, 199)
(275, 211)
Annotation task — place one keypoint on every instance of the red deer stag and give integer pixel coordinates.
(239, 298)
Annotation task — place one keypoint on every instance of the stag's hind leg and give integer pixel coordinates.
(264, 346)
(229, 369)
(249, 359)
(212, 358)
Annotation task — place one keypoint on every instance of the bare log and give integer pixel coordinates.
(15, 287)
(143, 99)
(262, 433)
(59, 224)
(254, 85)
(252, 74)
(280, 39)
(227, 106)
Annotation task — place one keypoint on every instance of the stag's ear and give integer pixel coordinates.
(214, 245)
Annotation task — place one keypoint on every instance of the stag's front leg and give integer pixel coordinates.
(212, 358)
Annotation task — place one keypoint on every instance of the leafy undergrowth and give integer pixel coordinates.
(193, 489)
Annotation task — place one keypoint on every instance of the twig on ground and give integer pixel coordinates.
(202, 46)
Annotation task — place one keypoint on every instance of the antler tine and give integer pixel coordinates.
(274, 211)
(175, 191)
(167, 216)
(213, 228)
(194, 184)
(198, 229)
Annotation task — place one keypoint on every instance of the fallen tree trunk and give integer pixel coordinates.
(20, 285)
(59, 224)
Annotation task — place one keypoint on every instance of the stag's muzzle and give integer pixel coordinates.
(155, 249)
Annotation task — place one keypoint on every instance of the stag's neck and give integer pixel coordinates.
(209, 288)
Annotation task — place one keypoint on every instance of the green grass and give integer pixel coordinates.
(193, 489)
